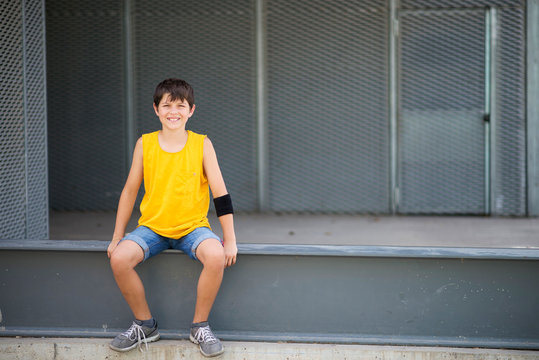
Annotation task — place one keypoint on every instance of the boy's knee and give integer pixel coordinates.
(120, 261)
(117, 262)
(212, 255)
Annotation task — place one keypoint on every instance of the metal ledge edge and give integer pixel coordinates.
(303, 250)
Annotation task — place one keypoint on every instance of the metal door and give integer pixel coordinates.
(443, 147)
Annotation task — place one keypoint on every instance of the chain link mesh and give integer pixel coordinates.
(328, 113)
(456, 4)
(442, 96)
(36, 121)
(442, 54)
(12, 164)
(23, 165)
(510, 132)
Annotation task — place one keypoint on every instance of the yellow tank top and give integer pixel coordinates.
(176, 195)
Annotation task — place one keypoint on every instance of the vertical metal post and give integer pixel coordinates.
(45, 111)
(261, 106)
(532, 111)
(129, 80)
(488, 30)
(25, 112)
(393, 103)
(490, 109)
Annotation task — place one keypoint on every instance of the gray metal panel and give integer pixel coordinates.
(36, 120)
(328, 106)
(441, 129)
(508, 153)
(23, 156)
(12, 130)
(361, 299)
(212, 48)
(509, 192)
(87, 135)
(440, 4)
(532, 105)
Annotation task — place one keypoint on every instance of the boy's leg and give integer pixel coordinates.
(123, 260)
(212, 256)
(137, 246)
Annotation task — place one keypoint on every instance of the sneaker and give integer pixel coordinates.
(209, 345)
(135, 335)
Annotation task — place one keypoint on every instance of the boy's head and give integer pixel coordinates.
(177, 89)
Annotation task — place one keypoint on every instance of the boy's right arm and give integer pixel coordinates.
(128, 197)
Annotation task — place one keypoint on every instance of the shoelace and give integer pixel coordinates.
(134, 333)
(205, 335)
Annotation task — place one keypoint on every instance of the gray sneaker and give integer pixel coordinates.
(209, 345)
(135, 335)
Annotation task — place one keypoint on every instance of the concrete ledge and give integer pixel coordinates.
(86, 349)
(286, 337)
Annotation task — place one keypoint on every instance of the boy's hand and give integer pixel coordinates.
(231, 251)
(113, 244)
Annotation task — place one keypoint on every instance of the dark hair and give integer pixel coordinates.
(178, 90)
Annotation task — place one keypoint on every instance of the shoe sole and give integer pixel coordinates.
(194, 341)
(148, 340)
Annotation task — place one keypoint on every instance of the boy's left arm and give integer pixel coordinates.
(218, 189)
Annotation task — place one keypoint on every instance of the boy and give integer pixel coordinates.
(177, 166)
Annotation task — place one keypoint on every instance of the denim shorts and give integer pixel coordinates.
(153, 243)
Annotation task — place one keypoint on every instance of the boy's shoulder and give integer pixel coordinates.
(196, 137)
(195, 134)
(147, 136)
(153, 133)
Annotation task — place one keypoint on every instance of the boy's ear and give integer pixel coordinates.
(155, 109)
(192, 110)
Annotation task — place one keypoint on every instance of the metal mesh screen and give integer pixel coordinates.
(455, 4)
(444, 185)
(212, 48)
(87, 131)
(442, 97)
(23, 183)
(510, 187)
(12, 164)
(328, 112)
(36, 121)
(328, 120)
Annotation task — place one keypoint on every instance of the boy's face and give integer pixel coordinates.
(173, 114)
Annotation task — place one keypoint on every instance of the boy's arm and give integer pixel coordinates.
(218, 189)
(128, 197)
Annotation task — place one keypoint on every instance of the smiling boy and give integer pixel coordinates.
(178, 167)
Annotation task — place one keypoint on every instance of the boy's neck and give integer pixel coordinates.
(173, 141)
(174, 136)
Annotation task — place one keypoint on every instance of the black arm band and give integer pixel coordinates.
(223, 205)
